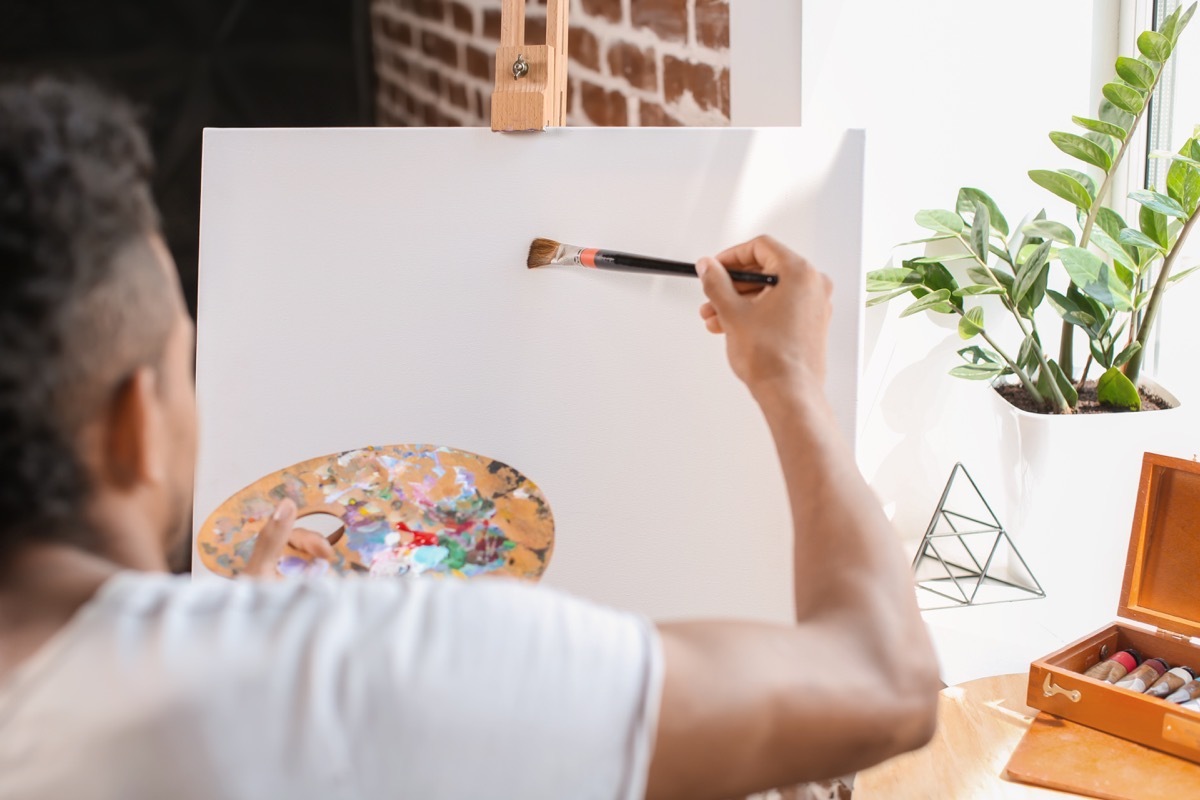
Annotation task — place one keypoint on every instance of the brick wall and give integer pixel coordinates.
(633, 62)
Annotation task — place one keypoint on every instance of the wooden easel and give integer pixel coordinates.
(531, 81)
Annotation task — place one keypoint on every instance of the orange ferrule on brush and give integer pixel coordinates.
(588, 257)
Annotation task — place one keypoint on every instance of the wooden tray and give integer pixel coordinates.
(1060, 754)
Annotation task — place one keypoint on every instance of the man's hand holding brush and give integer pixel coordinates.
(772, 333)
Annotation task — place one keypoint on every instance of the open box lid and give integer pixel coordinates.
(1162, 572)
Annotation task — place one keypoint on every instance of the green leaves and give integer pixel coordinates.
(1175, 157)
(1030, 282)
(1096, 279)
(934, 278)
(1154, 46)
(969, 198)
(927, 279)
(1115, 390)
(982, 365)
(1065, 186)
(980, 355)
(886, 280)
(1124, 97)
(1126, 354)
(940, 221)
(938, 302)
(1154, 225)
(978, 289)
(1115, 116)
(978, 372)
(1064, 384)
(1087, 151)
(1106, 235)
(1136, 238)
(990, 277)
(1084, 180)
(1159, 202)
(940, 259)
(891, 283)
(1108, 268)
(1047, 229)
(1183, 186)
(1183, 179)
(1178, 276)
(1098, 126)
(1071, 311)
(884, 298)
(1027, 357)
(971, 324)
(981, 232)
(1136, 73)
(1174, 24)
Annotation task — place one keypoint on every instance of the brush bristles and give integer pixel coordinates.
(541, 253)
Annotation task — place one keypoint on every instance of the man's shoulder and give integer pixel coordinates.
(139, 594)
(260, 621)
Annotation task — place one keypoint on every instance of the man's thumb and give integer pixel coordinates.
(718, 286)
(271, 541)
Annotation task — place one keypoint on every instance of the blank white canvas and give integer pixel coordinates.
(369, 286)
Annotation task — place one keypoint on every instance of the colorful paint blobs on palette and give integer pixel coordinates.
(405, 510)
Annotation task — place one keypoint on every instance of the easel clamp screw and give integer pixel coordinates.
(520, 68)
(535, 98)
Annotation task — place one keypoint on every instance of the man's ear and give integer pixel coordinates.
(133, 444)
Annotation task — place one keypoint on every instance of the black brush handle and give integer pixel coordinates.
(607, 259)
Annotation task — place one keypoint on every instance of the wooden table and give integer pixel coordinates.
(979, 725)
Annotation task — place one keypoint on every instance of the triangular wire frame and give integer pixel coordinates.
(961, 570)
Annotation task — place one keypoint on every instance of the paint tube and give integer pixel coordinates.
(1189, 691)
(1170, 682)
(1116, 667)
(1141, 678)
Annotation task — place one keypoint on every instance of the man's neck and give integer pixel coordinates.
(43, 584)
(41, 587)
(121, 532)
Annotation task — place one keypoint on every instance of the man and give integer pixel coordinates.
(118, 680)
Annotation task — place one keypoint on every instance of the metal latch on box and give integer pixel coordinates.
(1050, 689)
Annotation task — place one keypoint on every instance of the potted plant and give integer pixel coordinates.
(1104, 278)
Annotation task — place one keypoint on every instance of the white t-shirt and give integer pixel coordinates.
(164, 688)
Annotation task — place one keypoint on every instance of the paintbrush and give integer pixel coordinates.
(547, 252)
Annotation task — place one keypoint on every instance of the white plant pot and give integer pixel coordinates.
(1069, 488)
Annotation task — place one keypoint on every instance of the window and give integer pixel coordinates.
(1172, 118)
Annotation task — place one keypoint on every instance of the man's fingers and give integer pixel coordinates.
(718, 287)
(312, 543)
(712, 321)
(762, 254)
(271, 541)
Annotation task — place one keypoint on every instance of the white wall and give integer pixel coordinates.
(951, 94)
(765, 64)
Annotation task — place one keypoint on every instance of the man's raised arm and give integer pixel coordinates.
(750, 706)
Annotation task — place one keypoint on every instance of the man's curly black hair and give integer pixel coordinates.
(75, 318)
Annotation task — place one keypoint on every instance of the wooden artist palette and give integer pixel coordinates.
(404, 510)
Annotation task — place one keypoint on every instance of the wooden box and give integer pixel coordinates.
(1161, 590)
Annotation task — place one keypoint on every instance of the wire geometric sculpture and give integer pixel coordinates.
(966, 549)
